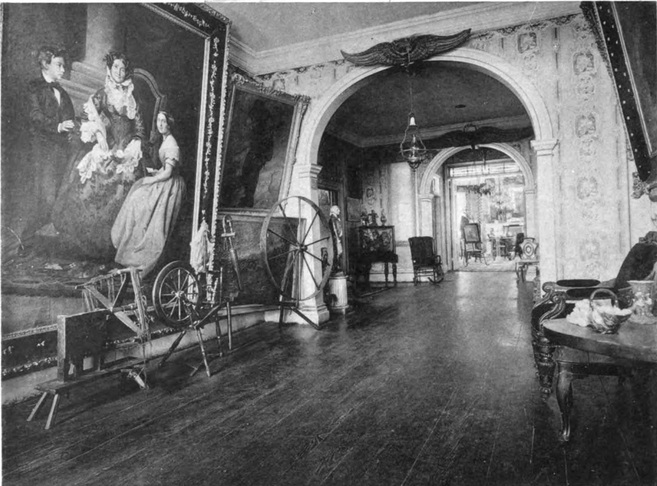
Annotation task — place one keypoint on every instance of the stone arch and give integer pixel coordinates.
(444, 155)
(425, 195)
(321, 110)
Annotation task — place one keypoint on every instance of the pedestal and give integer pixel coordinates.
(337, 286)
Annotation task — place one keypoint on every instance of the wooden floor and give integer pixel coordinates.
(421, 385)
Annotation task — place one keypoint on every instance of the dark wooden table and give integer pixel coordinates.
(582, 352)
(635, 342)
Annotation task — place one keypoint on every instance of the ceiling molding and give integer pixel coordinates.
(486, 16)
(504, 123)
(241, 55)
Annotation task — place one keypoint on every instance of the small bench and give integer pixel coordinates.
(82, 336)
(58, 387)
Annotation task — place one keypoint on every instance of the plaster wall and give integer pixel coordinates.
(584, 186)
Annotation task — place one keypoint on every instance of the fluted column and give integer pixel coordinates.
(530, 212)
(305, 184)
(546, 210)
(402, 201)
(403, 215)
(426, 214)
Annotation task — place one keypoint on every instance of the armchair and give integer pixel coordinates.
(559, 300)
(425, 261)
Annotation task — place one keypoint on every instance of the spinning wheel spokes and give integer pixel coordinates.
(176, 294)
(310, 272)
(295, 228)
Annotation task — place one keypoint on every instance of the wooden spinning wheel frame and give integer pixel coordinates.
(295, 241)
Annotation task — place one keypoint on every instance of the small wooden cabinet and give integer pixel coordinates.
(376, 244)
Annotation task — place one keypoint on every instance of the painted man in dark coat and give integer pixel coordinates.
(51, 117)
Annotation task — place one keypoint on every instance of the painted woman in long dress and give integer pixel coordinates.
(150, 211)
(102, 173)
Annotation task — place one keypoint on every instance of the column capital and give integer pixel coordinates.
(544, 147)
(308, 171)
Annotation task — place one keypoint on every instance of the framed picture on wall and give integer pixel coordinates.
(353, 209)
(627, 33)
(261, 142)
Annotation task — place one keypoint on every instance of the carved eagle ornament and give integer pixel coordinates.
(405, 51)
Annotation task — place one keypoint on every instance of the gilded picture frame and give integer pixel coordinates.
(189, 80)
(626, 33)
(262, 134)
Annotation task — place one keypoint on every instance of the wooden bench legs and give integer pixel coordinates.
(53, 408)
(131, 368)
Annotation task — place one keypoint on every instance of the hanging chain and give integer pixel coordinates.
(410, 81)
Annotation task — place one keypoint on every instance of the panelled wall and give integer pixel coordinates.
(589, 180)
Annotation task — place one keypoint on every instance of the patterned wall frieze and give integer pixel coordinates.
(239, 79)
(527, 46)
(536, 26)
(481, 41)
(584, 72)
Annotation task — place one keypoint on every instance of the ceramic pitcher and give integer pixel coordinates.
(642, 291)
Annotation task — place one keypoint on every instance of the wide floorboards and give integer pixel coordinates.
(419, 385)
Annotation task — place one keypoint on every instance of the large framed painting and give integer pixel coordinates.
(141, 91)
(262, 134)
(627, 36)
(174, 56)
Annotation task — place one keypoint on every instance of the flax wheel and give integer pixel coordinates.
(176, 294)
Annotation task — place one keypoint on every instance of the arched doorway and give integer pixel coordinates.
(322, 109)
(436, 210)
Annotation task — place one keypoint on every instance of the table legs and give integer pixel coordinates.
(565, 400)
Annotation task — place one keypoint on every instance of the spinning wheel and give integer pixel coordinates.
(296, 246)
(176, 294)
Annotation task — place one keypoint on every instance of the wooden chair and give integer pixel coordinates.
(426, 263)
(560, 296)
(558, 302)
